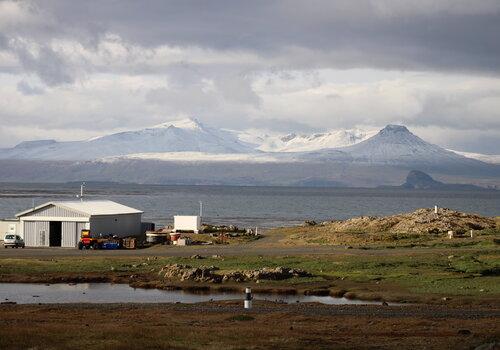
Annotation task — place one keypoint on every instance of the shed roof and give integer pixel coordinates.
(90, 208)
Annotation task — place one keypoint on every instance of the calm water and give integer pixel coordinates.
(252, 206)
(31, 293)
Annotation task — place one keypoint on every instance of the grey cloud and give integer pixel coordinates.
(188, 100)
(50, 66)
(453, 110)
(280, 125)
(449, 36)
(341, 33)
(27, 89)
(476, 142)
(238, 89)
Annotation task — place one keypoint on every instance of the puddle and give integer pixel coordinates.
(32, 293)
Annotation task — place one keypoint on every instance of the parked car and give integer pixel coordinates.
(13, 241)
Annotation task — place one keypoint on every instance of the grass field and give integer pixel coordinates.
(405, 274)
(450, 290)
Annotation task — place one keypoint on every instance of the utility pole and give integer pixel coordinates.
(82, 186)
(201, 209)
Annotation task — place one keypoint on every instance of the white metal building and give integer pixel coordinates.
(8, 226)
(187, 223)
(59, 224)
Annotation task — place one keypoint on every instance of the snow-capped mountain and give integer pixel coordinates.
(188, 152)
(303, 142)
(396, 145)
(189, 140)
(187, 135)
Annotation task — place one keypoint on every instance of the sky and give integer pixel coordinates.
(72, 70)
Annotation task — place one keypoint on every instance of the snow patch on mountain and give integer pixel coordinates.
(272, 142)
(187, 124)
(487, 158)
(189, 157)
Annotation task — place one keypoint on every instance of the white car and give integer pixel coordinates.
(13, 241)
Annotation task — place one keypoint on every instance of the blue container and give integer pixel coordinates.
(110, 245)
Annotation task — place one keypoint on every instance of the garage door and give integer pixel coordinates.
(36, 233)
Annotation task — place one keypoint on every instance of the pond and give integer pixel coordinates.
(32, 293)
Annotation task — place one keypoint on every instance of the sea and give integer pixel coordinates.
(247, 207)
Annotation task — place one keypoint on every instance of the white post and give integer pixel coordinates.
(81, 190)
(471, 233)
(247, 304)
(435, 209)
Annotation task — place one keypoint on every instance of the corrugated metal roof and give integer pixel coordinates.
(90, 208)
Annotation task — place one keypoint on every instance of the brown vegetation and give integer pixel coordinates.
(225, 325)
(421, 227)
(420, 221)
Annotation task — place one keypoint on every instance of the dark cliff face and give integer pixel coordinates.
(419, 179)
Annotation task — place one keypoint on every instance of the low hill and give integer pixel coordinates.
(421, 221)
(422, 227)
(419, 180)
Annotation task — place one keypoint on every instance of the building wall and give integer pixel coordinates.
(54, 211)
(119, 225)
(36, 233)
(187, 223)
(8, 226)
(35, 226)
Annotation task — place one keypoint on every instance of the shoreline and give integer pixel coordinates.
(265, 288)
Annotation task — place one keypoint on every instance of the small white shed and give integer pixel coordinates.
(59, 224)
(8, 226)
(187, 223)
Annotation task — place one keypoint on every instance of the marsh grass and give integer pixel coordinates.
(459, 271)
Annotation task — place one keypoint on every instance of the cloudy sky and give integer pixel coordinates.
(77, 69)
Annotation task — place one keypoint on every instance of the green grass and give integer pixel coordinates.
(455, 272)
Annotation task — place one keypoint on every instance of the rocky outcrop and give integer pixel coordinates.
(419, 180)
(188, 273)
(208, 274)
(419, 221)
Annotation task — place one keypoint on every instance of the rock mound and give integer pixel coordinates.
(419, 221)
(188, 273)
(207, 274)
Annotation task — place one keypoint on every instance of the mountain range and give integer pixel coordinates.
(187, 151)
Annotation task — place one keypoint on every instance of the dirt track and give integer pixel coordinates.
(185, 251)
(267, 246)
